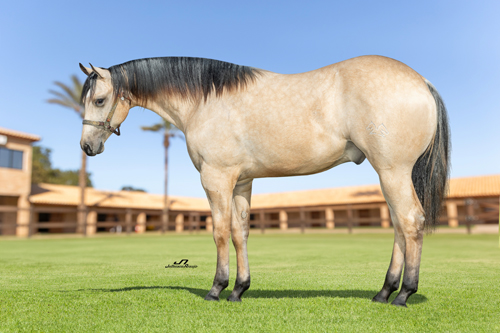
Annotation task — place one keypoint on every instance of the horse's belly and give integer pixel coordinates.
(289, 159)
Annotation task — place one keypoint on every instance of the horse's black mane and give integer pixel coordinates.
(191, 78)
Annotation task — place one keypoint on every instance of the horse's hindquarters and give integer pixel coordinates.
(389, 110)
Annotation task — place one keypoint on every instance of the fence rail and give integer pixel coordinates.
(475, 212)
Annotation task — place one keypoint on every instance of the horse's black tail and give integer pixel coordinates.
(431, 171)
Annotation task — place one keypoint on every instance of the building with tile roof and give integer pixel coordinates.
(15, 180)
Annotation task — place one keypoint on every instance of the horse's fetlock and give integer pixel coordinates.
(411, 287)
(222, 283)
(392, 282)
(243, 284)
(393, 285)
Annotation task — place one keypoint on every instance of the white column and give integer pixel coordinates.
(283, 220)
(179, 223)
(23, 217)
(384, 215)
(330, 218)
(91, 222)
(210, 225)
(141, 223)
(451, 212)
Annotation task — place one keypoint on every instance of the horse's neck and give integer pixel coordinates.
(174, 110)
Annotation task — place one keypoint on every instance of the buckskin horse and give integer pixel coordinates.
(242, 123)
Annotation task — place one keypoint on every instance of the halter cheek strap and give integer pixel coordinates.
(106, 125)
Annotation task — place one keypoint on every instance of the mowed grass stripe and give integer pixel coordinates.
(311, 282)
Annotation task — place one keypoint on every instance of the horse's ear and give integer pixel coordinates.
(97, 71)
(86, 70)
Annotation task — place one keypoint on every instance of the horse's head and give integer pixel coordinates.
(105, 109)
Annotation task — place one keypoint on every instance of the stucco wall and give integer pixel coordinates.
(13, 181)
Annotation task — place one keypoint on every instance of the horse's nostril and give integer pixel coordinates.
(87, 149)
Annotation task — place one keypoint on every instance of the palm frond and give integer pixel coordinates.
(60, 102)
(177, 135)
(169, 127)
(70, 92)
(154, 128)
(69, 96)
(64, 100)
(77, 86)
(61, 95)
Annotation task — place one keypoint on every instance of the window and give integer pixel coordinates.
(11, 158)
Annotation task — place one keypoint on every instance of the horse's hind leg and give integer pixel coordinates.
(218, 185)
(239, 235)
(393, 275)
(408, 218)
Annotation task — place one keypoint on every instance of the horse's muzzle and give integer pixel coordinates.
(87, 148)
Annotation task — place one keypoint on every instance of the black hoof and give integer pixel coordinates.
(380, 299)
(211, 298)
(232, 298)
(397, 302)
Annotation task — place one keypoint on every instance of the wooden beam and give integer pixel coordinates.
(262, 222)
(128, 221)
(469, 203)
(349, 220)
(302, 220)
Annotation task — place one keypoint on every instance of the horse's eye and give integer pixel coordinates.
(99, 102)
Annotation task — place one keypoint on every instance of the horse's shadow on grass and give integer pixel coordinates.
(366, 294)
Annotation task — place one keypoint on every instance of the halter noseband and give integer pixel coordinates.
(106, 125)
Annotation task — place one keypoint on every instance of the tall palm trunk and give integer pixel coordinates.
(82, 208)
(169, 131)
(70, 97)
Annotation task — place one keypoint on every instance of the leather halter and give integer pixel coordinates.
(106, 125)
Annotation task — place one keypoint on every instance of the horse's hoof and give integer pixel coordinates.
(211, 298)
(232, 298)
(397, 302)
(379, 299)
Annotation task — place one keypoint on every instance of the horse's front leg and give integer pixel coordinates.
(239, 235)
(218, 185)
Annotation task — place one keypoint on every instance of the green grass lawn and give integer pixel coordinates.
(311, 282)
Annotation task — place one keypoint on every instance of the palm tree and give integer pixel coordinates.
(69, 97)
(169, 131)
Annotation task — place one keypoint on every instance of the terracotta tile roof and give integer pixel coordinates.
(51, 194)
(481, 186)
(17, 134)
(330, 196)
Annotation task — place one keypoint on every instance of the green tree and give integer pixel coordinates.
(69, 96)
(43, 172)
(169, 131)
(132, 189)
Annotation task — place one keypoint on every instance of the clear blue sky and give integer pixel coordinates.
(455, 44)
